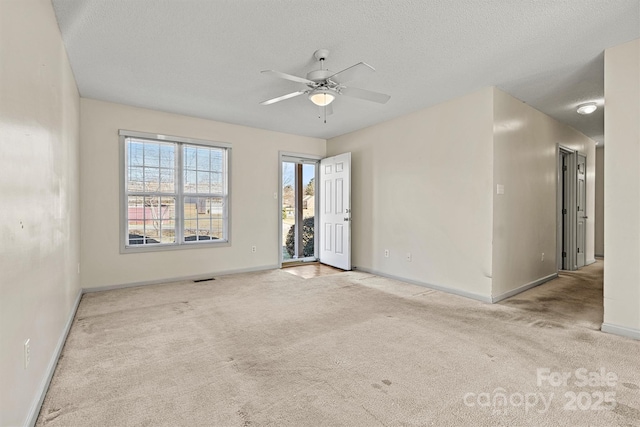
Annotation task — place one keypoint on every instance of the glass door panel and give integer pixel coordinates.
(298, 210)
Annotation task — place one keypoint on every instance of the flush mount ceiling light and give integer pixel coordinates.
(587, 108)
(321, 97)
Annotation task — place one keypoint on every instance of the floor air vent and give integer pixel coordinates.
(204, 280)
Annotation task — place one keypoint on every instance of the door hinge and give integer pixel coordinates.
(578, 250)
(564, 211)
(564, 254)
(564, 168)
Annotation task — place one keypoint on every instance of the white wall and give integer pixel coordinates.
(254, 210)
(622, 189)
(599, 226)
(39, 158)
(422, 184)
(525, 162)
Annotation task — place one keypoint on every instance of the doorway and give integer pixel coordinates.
(571, 206)
(298, 178)
(314, 209)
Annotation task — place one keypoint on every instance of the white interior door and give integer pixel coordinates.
(581, 218)
(335, 211)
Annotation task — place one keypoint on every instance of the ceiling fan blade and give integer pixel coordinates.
(283, 97)
(348, 74)
(367, 95)
(288, 76)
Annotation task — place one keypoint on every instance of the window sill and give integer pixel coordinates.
(175, 247)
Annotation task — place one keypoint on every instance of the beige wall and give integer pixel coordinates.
(422, 184)
(39, 124)
(525, 163)
(622, 189)
(254, 210)
(599, 226)
(426, 183)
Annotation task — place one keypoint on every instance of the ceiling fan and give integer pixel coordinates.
(324, 86)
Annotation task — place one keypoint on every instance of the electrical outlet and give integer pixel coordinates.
(542, 257)
(408, 256)
(27, 353)
(386, 253)
(253, 249)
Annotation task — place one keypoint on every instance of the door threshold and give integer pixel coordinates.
(298, 263)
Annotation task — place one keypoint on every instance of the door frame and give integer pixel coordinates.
(583, 205)
(309, 158)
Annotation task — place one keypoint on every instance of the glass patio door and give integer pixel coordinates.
(298, 209)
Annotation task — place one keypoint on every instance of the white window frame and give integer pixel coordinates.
(179, 244)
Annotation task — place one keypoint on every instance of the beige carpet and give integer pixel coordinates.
(575, 299)
(274, 349)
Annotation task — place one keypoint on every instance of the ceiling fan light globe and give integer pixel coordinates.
(321, 99)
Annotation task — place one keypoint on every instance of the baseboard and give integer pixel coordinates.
(590, 261)
(599, 255)
(448, 290)
(34, 411)
(178, 279)
(621, 330)
(524, 287)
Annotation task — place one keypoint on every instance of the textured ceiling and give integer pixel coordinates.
(203, 58)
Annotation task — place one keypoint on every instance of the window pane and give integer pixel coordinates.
(189, 158)
(216, 182)
(151, 154)
(203, 219)
(167, 220)
(135, 216)
(151, 220)
(203, 170)
(203, 182)
(167, 180)
(136, 154)
(216, 159)
(135, 179)
(167, 156)
(143, 162)
(203, 159)
(190, 181)
(151, 179)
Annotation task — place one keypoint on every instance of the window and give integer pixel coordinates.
(175, 192)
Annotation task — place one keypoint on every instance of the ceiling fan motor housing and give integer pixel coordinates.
(319, 76)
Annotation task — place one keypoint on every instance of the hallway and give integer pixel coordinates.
(574, 298)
